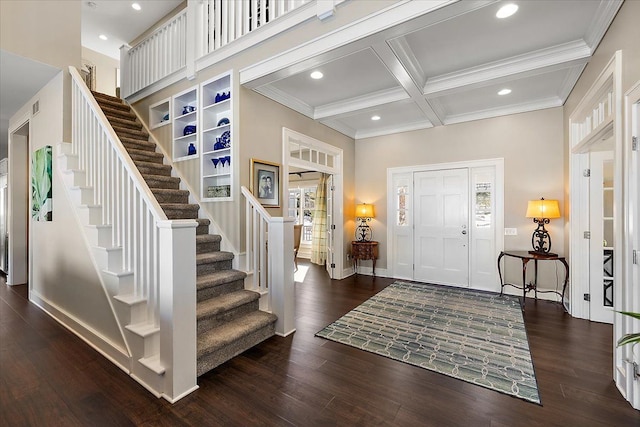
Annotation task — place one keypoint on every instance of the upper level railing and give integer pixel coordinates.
(202, 28)
(269, 261)
(159, 252)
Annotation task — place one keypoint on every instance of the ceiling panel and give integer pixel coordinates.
(478, 37)
(351, 76)
(530, 90)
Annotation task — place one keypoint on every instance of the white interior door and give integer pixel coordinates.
(601, 278)
(441, 237)
(330, 265)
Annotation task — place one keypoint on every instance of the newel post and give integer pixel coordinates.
(178, 306)
(281, 271)
(125, 71)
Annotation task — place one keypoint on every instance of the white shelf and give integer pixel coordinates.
(185, 99)
(159, 113)
(216, 186)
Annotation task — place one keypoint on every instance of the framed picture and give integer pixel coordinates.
(41, 188)
(265, 182)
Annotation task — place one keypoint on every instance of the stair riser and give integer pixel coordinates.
(222, 289)
(112, 104)
(117, 113)
(81, 196)
(99, 236)
(125, 123)
(68, 161)
(151, 158)
(131, 133)
(90, 215)
(75, 178)
(118, 284)
(155, 183)
(202, 229)
(134, 144)
(180, 214)
(228, 316)
(171, 197)
(161, 170)
(207, 247)
(143, 346)
(108, 259)
(130, 313)
(216, 358)
(211, 267)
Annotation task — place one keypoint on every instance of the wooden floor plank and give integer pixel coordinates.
(48, 376)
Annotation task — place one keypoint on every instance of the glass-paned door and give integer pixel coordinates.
(301, 206)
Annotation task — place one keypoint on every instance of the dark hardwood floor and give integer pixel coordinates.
(49, 377)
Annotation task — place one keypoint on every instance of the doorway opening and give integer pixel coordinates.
(18, 206)
(308, 157)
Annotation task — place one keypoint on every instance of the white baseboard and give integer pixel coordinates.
(118, 355)
(368, 271)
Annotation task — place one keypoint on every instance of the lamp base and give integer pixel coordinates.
(542, 253)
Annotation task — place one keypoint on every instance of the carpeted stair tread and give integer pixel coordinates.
(125, 122)
(168, 195)
(224, 303)
(180, 210)
(208, 238)
(153, 168)
(106, 96)
(130, 133)
(138, 144)
(210, 257)
(160, 181)
(222, 336)
(113, 105)
(203, 226)
(219, 278)
(145, 156)
(120, 113)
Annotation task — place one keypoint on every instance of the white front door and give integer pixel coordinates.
(601, 278)
(441, 238)
(330, 264)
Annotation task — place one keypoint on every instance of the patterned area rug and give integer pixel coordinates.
(475, 336)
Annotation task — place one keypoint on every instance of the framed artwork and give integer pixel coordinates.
(265, 182)
(41, 188)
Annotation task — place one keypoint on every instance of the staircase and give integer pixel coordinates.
(228, 319)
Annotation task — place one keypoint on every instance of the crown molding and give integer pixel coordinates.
(570, 80)
(505, 111)
(607, 10)
(340, 127)
(358, 103)
(563, 53)
(389, 130)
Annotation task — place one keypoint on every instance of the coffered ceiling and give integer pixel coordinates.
(440, 63)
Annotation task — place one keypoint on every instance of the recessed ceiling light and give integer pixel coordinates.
(136, 6)
(507, 10)
(103, 37)
(374, 118)
(504, 92)
(317, 75)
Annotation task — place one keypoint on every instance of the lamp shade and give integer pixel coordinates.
(543, 209)
(364, 211)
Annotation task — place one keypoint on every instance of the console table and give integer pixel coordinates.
(525, 257)
(364, 251)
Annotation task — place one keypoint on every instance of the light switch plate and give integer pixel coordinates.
(510, 231)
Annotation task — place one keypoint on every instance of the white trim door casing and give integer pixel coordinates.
(305, 152)
(625, 358)
(485, 228)
(330, 265)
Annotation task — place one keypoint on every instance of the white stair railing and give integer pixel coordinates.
(170, 52)
(159, 55)
(269, 262)
(159, 252)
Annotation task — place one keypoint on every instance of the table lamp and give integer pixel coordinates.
(542, 211)
(364, 213)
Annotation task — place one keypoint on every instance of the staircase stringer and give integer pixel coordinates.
(144, 277)
(194, 197)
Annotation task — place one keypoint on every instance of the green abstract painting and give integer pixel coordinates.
(41, 185)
